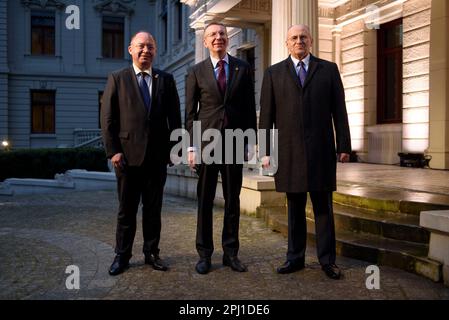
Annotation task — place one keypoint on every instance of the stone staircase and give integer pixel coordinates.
(376, 224)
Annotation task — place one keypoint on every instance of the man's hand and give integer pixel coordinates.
(265, 162)
(343, 157)
(191, 159)
(118, 160)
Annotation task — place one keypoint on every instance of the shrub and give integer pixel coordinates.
(45, 163)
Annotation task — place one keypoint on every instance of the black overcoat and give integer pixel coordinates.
(305, 118)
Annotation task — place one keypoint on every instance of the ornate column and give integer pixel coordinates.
(280, 22)
(439, 85)
(336, 37)
(306, 12)
(200, 52)
(286, 13)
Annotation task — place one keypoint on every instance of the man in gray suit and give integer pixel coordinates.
(303, 97)
(140, 109)
(220, 95)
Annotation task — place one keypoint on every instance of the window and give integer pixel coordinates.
(42, 111)
(100, 101)
(249, 55)
(113, 37)
(178, 21)
(389, 72)
(42, 33)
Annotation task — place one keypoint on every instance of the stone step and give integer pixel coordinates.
(400, 254)
(396, 226)
(389, 199)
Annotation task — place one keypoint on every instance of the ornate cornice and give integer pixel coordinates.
(124, 7)
(326, 12)
(349, 9)
(357, 5)
(255, 5)
(44, 4)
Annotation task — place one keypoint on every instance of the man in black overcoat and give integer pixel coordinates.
(303, 97)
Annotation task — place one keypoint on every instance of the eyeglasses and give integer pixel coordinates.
(141, 46)
(214, 34)
(300, 38)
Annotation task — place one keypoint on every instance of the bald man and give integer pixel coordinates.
(140, 108)
(303, 97)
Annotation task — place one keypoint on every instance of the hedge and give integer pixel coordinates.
(45, 163)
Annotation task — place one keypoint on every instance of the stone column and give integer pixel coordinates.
(439, 85)
(306, 12)
(200, 52)
(336, 36)
(286, 13)
(280, 21)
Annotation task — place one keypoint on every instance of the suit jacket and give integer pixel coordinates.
(128, 127)
(305, 118)
(205, 103)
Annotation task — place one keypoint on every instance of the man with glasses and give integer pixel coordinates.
(219, 95)
(140, 108)
(303, 97)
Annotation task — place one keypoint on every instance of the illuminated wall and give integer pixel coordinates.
(416, 20)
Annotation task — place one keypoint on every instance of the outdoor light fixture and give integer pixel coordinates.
(5, 144)
(414, 160)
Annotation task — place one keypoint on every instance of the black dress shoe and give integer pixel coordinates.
(290, 266)
(118, 266)
(332, 271)
(234, 263)
(155, 261)
(203, 266)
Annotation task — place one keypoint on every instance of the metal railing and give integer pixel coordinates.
(81, 136)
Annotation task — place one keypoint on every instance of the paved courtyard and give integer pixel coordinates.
(40, 235)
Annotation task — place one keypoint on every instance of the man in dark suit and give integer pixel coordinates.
(303, 97)
(220, 95)
(140, 108)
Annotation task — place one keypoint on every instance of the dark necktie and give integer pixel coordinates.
(144, 90)
(221, 77)
(302, 72)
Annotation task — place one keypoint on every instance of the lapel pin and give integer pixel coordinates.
(156, 76)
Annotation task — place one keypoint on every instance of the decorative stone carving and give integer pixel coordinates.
(326, 12)
(125, 7)
(44, 4)
(357, 5)
(255, 5)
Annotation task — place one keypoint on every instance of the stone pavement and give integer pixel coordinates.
(40, 235)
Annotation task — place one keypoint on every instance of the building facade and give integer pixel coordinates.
(52, 74)
(392, 55)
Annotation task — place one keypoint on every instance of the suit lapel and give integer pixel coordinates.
(209, 75)
(154, 88)
(313, 64)
(292, 71)
(233, 73)
(135, 87)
